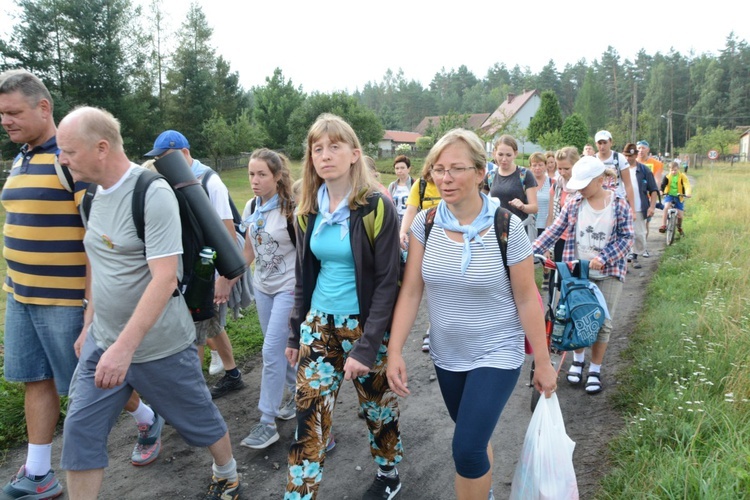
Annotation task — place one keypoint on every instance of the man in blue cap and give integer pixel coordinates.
(210, 331)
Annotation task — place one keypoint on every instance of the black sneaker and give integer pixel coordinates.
(227, 384)
(383, 488)
(222, 489)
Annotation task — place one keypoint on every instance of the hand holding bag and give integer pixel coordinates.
(545, 470)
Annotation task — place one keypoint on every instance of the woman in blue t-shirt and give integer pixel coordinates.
(346, 285)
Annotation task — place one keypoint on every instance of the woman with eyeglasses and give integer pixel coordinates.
(461, 268)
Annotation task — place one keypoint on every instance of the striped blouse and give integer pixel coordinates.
(473, 318)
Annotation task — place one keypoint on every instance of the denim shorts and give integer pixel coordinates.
(39, 342)
(675, 201)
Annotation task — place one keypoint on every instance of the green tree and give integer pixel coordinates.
(574, 132)
(247, 135)
(364, 121)
(274, 104)
(190, 81)
(425, 143)
(217, 132)
(447, 122)
(591, 102)
(548, 117)
(551, 140)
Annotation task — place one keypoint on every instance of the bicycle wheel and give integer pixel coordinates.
(671, 223)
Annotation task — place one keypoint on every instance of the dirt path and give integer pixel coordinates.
(427, 471)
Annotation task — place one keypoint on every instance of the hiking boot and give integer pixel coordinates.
(383, 488)
(646, 254)
(149, 442)
(216, 365)
(261, 436)
(222, 489)
(40, 488)
(288, 410)
(227, 384)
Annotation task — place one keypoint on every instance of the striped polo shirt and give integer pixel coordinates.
(43, 233)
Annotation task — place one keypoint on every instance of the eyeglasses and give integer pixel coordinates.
(454, 172)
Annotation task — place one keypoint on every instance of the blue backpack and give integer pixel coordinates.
(579, 315)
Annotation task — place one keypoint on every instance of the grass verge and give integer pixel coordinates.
(686, 396)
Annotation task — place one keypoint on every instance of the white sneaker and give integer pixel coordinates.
(216, 365)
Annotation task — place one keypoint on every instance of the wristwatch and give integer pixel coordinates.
(85, 303)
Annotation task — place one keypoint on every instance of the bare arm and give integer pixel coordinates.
(526, 297)
(404, 315)
(114, 363)
(628, 185)
(411, 212)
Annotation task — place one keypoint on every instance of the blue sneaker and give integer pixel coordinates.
(22, 486)
(149, 442)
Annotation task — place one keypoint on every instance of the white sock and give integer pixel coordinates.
(143, 414)
(593, 367)
(389, 473)
(38, 459)
(228, 471)
(579, 356)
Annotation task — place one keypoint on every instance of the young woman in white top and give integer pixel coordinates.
(462, 270)
(269, 244)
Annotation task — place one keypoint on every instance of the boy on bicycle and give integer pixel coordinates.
(676, 187)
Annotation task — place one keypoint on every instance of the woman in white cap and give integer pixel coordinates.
(601, 231)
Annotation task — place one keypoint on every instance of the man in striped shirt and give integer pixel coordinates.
(46, 276)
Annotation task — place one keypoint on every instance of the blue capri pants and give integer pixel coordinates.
(475, 400)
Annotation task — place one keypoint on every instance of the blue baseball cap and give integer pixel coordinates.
(169, 139)
(643, 143)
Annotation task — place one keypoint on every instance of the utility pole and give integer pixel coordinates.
(634, 121)
(670, 135)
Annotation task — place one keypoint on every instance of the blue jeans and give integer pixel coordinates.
(475, 400)
(39, 342)
(273, 315)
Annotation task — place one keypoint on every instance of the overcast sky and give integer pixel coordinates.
(341, 45)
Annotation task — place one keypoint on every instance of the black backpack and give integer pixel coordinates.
(193, 239)
(502, 229)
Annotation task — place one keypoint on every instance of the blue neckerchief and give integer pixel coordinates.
(256, 220)
(444, 218)
(198, 169)
(339, 216)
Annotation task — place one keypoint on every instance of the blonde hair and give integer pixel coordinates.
(278, 165)
(508, 140)
(537, 158)
(569, 153)
(362, 181)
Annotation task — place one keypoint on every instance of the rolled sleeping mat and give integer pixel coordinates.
(230, 263)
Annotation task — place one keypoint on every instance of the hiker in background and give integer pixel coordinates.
(271, 245)
(346, 285)
(374, 170)
(566, 157)
(538, 167)
(551, 165)
(588, 150)
(645, 201)
(614, 160)
(599, 227)
(514, 186)
(213, 330)
(464, 275)
(423, 195)
(401, 187)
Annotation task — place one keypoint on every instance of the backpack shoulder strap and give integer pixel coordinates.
(422, 189)
(64, 175)
(85, 207)
(429, 220)
(204, 179)
(583, 267)
(372, 217)
(253, 205)
(563, 269)
(139, 201)
(502, 229)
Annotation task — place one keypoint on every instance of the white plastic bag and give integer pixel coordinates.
(545, 470)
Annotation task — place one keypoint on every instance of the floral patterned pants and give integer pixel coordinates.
(325, 343)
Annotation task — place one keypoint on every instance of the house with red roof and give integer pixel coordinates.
(394, 138)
